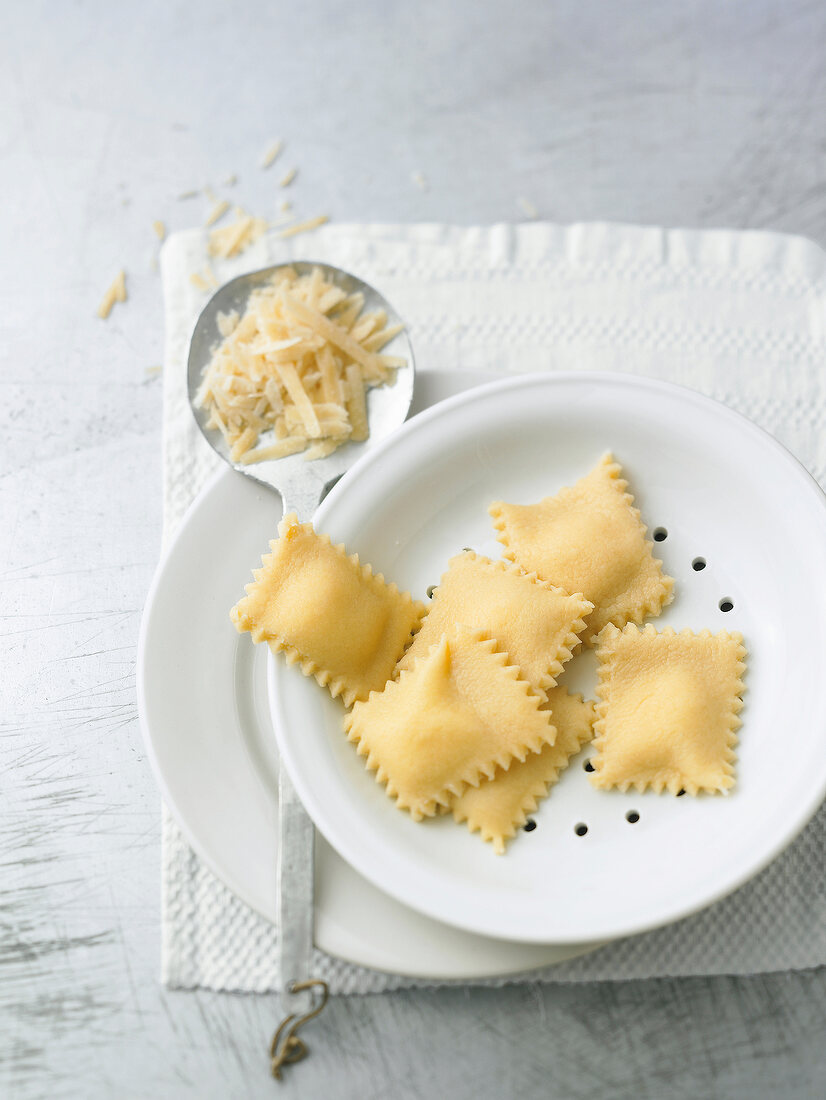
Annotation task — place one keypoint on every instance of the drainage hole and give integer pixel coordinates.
(698, 564)
(660, 534)
(431, 590)
(581, 829)
(529, 825)
(681, 792)
(725, 604)
(632, 817)
(588, 766)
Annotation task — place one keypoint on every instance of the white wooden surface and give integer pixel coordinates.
(675, 113)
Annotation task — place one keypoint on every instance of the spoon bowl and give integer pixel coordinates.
(302, 483)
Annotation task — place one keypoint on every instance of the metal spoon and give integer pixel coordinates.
(302, 486)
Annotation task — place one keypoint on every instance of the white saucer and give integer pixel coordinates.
(204, 713)
(723, 490)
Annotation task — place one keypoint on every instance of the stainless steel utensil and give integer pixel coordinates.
(302, 485)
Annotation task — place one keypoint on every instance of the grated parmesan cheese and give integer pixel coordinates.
(160, 230)
(217, 212)
(235, 238)
(294, 369)
(115, 293)
(304, 227)
(204, 282)
(288, 177)
(271, 154)
(527, 207)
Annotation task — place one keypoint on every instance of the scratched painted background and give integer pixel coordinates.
(672, 112)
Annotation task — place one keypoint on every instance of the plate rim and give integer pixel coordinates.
(338, 838)
(158, 771)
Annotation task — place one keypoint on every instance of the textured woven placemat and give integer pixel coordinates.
(739, 316)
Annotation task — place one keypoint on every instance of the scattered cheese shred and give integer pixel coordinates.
(160, 230)
(288, 177)
(217, 212)
(304, 227)
(271, 154)
(184, 195)
(235, 238)
(115, 293)
(294, 369)
(231, 180)
(527, 207)
(420, 180)
(204, 282)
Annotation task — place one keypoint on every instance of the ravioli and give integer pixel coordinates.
(589, 538)
(500, 806)
(327, 613)
(668, 710)
(535, 623)
(459, 713)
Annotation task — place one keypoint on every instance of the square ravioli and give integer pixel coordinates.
(668, 709)
(535, 623)
(457, 715)
(589, 538)
(500, 806)
(325, 611)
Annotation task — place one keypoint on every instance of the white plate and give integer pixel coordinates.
(724, 490)
(204, 714)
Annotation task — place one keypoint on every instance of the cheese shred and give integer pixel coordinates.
(204, 281)
(115, 293)
(236, 237)
(271, 154)
(217, 212)
(304, 227)
(291, 373)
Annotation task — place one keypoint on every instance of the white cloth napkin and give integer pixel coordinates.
(739, 316)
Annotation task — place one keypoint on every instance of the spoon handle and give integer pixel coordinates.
(294, 894)
(296, 841)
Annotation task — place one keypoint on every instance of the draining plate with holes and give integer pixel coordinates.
(741, 527)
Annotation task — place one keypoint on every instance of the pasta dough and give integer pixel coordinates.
(533, 622)
(500, 806)
(457, 715)
(325, 611)
(589, 538)
(668, 709)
